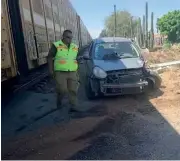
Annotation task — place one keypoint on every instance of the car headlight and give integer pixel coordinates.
(99, 73)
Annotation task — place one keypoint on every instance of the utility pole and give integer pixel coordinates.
(147, 26)
(115, 21)
(131, 27)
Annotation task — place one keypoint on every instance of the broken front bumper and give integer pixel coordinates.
(124, 88)
(121, 83)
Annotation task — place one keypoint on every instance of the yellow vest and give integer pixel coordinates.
(65, 59)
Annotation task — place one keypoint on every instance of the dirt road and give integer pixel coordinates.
(128, 127)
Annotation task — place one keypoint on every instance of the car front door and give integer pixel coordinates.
(82, 64)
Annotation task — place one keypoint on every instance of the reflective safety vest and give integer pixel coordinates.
(65, 59)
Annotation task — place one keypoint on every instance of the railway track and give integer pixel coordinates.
(21, 84)
(28, 84)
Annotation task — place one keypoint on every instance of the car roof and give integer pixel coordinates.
(112, 39)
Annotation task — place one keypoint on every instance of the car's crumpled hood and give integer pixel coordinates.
(128, 63)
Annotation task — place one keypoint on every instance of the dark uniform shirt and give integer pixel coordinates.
(53, 50)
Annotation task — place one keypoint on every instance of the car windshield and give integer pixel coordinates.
(115, 50)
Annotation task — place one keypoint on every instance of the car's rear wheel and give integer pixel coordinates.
(89, 93)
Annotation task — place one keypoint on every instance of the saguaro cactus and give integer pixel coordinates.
(140, 32)
(137, 31)
(131, 27)
(152, 30)
(144, 31)
(157, 25)
(146, 24)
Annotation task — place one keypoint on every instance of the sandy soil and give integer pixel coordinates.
(162, 56)
(148, 123)
(170, 98)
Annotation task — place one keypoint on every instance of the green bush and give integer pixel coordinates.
(169, 25)
(167, 45)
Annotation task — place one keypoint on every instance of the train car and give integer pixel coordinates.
(28, 29)
(8, 58)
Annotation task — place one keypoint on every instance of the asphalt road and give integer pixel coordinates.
(127, 127)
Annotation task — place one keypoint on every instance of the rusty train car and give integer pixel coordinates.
(28, 29)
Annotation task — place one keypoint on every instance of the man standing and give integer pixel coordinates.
(63, 67)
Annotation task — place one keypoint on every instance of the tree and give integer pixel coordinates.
(103, 33)
(169, 24)
(126, 24)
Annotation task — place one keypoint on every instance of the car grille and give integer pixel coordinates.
(126, 71)
(124, 76)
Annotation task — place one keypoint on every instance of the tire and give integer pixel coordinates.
(149, 88)
(150, 85)
(89, 93)
(157, 79)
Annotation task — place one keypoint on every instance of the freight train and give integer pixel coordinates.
(28, 27)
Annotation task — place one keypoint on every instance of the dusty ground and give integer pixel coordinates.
(163, 55)
(129, 127)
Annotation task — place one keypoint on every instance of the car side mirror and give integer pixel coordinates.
(141, 57)
(143, 47)
(86, 56)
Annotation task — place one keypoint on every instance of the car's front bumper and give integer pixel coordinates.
(121, 83)
(123, 88)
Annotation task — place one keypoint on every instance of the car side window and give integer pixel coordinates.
(86, 50)
(82, 50)
(90, 48)
(135, 50)
(137, 47)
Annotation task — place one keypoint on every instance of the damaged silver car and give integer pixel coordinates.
(115, 66)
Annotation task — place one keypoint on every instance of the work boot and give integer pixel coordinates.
(80, 107)
(73, 108)
(59, 104)
(61, 101)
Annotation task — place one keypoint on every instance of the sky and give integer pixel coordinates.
(94, 12)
